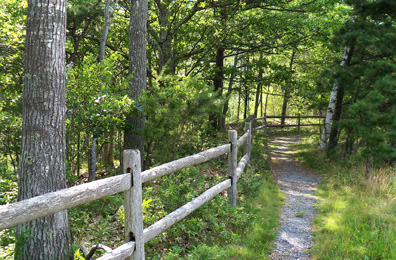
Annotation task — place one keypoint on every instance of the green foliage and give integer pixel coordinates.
(216, 231)
(369, 81)
(355, 217)
(12, 27)
(177, 110)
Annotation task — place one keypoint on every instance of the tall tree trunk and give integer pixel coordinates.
(266, 99)
(259, 86)
(108, 146)
(105, 32)
(214, 118)
(229, 91)
(43, 150)
(333, 138)
(287, 92)
(245, 113)
(133, 137)
(239, 103)
(261, 101)
(329, 116)
(102, 52)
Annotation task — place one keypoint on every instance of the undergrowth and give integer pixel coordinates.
(356, 216)
(214, 231)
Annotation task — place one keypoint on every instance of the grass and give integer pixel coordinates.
(356, 217)
(217, 231)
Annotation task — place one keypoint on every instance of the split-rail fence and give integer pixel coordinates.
(298, 124)
(131, 184)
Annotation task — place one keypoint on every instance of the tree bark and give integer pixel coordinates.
(108, 146)
(43, 150)
(133, 138)
(229, 91)
(102, 52)
(214, 118)
(329, 115)
(333, 138)
(287, 92)
(105, 32)
(259, 86)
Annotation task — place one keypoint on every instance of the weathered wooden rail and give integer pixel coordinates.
(131, 184)
(298, 124)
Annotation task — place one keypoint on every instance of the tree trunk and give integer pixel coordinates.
(239, 104)
(108, 148)
(43, 150)
(259, 86)
(133, 138)
(266, 100)
(287, 93)
(245, 113)
(105, 32)
(333, 138)
(214, 118)
(329, 115)
(102, 51)
(92, 161)
(229, 91)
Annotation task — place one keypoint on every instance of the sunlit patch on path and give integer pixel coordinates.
(298, 184)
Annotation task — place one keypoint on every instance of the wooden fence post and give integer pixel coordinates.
(232, 165)
(299, 120)
(248, 144)
(133, 204)
(265, 122)
(252, 121)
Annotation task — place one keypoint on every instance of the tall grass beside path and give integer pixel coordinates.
(356, 218)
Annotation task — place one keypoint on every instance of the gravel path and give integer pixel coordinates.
(298, 184)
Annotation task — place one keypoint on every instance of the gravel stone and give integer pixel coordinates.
(299, 185)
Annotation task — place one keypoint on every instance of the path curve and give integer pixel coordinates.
(298, 184)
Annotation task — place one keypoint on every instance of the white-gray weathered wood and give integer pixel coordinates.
(179, 164)
(27, 210)
(248, 144)
(120, 253)
(241, 166)
(133, 204)
(260, 127)
(232, 165)
(260, 118)
(242, 140)
(177, 215)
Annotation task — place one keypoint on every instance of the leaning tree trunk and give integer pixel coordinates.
(43, 148)
(329, 115)
(133, 138)
(333, 133)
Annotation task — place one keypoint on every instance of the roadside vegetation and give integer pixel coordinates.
(356, 215)
(214, 231)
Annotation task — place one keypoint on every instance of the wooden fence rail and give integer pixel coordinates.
(298, 124)
(131, 184)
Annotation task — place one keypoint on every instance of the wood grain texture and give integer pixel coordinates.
(120, 253)
(50, 203)
(133, 204)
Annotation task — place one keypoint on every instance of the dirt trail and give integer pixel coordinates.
(298, 184)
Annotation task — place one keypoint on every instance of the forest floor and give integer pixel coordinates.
(298, 183)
